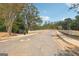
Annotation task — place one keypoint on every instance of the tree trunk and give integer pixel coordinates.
(9, 30)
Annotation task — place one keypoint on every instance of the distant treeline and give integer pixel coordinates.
(68, 24)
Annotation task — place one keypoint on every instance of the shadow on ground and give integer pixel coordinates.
(69, 52)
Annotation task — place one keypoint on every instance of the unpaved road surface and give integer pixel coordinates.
(44, 43)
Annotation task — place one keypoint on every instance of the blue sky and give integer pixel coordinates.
(55, 11)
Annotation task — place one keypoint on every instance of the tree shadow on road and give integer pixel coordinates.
(68, 52)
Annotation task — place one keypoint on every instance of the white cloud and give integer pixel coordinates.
(45, 18)
(64, 18)
(68, 4)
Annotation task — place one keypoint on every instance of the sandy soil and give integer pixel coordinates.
(5, 35)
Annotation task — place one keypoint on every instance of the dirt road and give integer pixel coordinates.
(44, 43)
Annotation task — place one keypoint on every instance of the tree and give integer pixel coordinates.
(2, 26)
(9, 13)
(73, 25)
(66, 25)
(74, 7)
(31, 17)
(18, 25)
(77, 22)
(59, 24)
(20, 17)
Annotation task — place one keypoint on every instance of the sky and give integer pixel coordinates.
(54, 11)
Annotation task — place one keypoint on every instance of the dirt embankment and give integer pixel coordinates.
(4, 35)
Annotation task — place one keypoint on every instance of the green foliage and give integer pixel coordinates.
(74, 7)
(73, 25)
(49, 25)
(2, 26)
(31, 17)
(11, 19)
(18, 26)
(69, 24)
